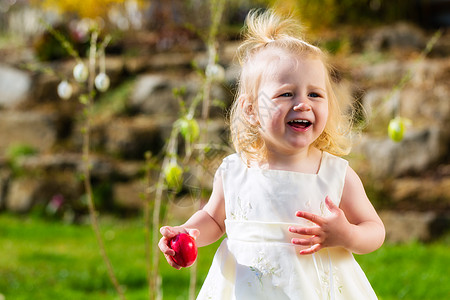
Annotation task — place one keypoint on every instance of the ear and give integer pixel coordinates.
(249, 109)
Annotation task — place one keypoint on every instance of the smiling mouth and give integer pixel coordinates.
(300, 124)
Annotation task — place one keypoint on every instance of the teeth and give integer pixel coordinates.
(300, 121)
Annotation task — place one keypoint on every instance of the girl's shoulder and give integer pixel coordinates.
(232, 157)
(230, 162)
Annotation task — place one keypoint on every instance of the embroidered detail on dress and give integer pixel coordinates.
(329, 280)
(242, 210)
(322, 209)
(262, 267)
(308, 204)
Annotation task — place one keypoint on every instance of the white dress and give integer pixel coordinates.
(257, 259)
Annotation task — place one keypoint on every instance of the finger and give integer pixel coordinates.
(164, 247)
(168, 232)
(311, 250)
(331, 205)
(305, 230)
(171, 262)
(311, 217)
(168, 252)
(307, 242)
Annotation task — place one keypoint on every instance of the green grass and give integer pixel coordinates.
(41, 259)
(410, 271)
(51, 260)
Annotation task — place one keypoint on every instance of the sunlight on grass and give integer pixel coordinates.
(51, 260)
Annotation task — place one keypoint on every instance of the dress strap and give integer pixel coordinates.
(332, 172)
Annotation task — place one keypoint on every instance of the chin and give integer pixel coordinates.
(300, 144)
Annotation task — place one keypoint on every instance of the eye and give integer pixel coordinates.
(288, 94)
(314, 95)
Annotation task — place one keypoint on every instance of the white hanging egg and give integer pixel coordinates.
(80, 72)
(102, 82)
(64, 90)
(216, 72)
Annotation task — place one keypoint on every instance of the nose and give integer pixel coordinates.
(302, 106)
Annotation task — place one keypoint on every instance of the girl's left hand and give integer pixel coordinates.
(332, 231)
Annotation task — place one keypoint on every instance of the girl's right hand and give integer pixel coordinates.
(168, 233)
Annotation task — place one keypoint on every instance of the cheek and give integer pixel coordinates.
(323, 116)
(270, 116)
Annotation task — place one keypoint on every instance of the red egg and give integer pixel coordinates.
(185, 250)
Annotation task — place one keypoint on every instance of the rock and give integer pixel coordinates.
(97, 134)
(130, 138)
(128, 170)
(167, 60)
(421, 105)
(22, 194)
(35, 129)
(400, 35)
(39, 188)
(425, 193)
(379, 102)
(385, 73)
(418, 151)
(135, 65)
(227, 53)
(426, 106)
(158, 62)
(232, 74)
(102, 167)
(45, 88)
(420, 74)
(51, 162)
(407, 226)
(114, 68)
(5, 176)
(127, 195)
(218, 131)
(14, 86)
(153, 94)
(429, 72)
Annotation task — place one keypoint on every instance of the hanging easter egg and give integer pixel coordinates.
(189, 129)
(216, 72)
(396, 129)
(174, 176)
(64, 90)
(102, 82)
(80, 72)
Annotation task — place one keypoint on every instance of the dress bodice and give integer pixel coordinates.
(264, 195)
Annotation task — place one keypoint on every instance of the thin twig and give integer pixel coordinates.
(408, 76)
(87, 168)
(148, 250)
(154, 281)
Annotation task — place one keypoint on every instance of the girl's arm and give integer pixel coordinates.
(206, 225)
(355, 225)
(366, 232)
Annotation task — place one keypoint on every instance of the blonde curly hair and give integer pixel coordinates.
(264, 29)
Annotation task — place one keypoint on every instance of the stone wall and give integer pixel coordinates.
(408, 181)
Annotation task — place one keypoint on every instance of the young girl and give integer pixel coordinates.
(293, 211)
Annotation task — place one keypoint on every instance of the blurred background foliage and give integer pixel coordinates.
(89, 8)
(176, 22)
